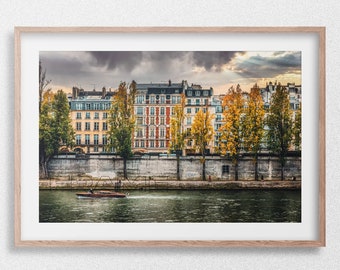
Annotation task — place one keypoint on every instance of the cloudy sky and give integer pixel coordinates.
(215, 69)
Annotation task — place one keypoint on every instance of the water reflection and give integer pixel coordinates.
(174, 206)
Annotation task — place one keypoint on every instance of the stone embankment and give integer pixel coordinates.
(154, 184)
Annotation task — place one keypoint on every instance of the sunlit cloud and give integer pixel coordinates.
(208, 68)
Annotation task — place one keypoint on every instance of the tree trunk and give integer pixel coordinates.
(256, 168)
(282, 172)
(236, 170)
(45, 174)
(203, 170)
(125, 170)
(177, 157)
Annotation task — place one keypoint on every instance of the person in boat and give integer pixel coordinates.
(91, 191)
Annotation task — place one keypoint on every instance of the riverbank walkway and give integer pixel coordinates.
(167, 184)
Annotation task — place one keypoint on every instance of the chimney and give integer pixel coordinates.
(75, 92)
(169, 82)
(103, 92)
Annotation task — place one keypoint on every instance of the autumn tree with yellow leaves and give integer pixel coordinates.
(202, 132)
(177, 132)
(121, 122)
(254, 125)
(232, 131)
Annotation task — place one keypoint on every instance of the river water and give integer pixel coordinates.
(173, 206)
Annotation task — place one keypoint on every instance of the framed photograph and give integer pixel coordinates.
(170, 136)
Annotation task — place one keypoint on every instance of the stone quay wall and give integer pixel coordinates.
(73, 167)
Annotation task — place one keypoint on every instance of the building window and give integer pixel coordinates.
(225, 168)
(218, 117)
(205, 101)
(152, 99)
(152, 110)
(96, 139)
(152, 120)
(78, 139)
(104, 139)
(189, 101)
(87, 125)
(139, 132)
(188, 110)
(196, 110)
(173, 100)
(104, 115)
(218, 109)
(204, 110)
(79, 106)
(162, 99)
(162, 122)
(152, 132)
(162, 111)
(197, 93)
(136, 143)
(142, 144)
(104, 126)
(172, 110)
(152, 144)
(162, 132)
(96, 126)
(140, 99)
(205, 93)
(197, 102)
(87, 115)
(140, 110)
(97, 106)
(96, 115)
(87, 139)
(189, 93)
(95, 149)
(78, 126)
(78, 115)
(139, 121)
(161, 144)
(189, 121)
(88, 106)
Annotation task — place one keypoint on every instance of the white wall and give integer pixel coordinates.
(168, 13)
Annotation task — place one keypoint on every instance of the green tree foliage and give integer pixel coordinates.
(297, 129)
(202, 132)
(280, 125)
(121, 121)
(55, 129)
(177, 132)
(232, 131)
(254, 125)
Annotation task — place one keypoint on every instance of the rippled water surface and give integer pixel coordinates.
(174, 206)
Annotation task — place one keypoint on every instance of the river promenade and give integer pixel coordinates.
(166, 184)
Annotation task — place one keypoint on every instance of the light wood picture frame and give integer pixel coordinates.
(29, 41)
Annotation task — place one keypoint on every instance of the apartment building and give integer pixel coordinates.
(89, 114)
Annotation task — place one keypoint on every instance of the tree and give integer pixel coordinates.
(254, 125)
(297, 129)
(280, 125)
(42, 84)
(202, 132)
(232, 131)
(121, 121)
(55, 129)
(177, 133)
